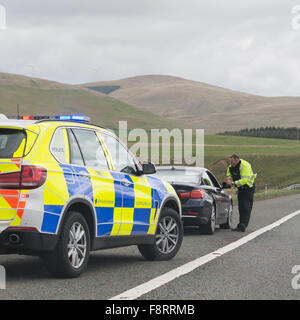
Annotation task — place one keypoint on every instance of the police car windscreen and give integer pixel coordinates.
(12, 143)
(179, 176)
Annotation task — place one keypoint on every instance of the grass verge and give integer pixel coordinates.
(272, 193)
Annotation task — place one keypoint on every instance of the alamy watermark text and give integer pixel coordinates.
(296, 279)
(164, 146)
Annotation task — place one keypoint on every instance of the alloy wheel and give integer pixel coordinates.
(168, 235)
(77, 245)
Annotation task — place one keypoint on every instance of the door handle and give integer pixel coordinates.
(125, 182)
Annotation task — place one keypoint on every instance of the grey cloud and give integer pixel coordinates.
(244, 45)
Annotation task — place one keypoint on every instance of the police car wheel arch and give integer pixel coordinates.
(169, 198)
(78, 204)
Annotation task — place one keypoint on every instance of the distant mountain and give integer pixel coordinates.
(200, 105)
(43, 97)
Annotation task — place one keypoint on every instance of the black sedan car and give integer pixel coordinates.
(204, 202)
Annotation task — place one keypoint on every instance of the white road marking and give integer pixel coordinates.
(159, 281)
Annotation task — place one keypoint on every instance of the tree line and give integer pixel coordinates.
(291, 133)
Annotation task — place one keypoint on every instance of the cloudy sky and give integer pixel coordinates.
(248, 45)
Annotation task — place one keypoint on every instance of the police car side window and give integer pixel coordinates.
(75, 153)
(58, 146)
(122, 160)
(91, 149)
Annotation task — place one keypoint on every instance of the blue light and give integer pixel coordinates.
(73, 118)
(79, 118)
(64, 117)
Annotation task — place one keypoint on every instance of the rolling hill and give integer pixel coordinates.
(200, 105)
(153, 101)
(175, 98)
(43, 97)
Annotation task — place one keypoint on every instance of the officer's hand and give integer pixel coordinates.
(229, 181)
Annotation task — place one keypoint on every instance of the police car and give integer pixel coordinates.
(68, 187)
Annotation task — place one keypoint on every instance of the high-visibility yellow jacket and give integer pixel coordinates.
(246, 173)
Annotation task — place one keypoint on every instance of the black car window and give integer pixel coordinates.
(213, 180)
(206, 180)
(178, 176)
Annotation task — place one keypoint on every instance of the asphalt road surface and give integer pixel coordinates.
(259, 269)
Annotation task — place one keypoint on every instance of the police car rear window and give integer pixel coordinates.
(12, 143)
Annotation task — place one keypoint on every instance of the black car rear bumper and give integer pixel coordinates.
(195, 212)
(26, 241)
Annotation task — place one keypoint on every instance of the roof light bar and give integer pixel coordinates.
(78, 118)
(73, 118)
(64, 118)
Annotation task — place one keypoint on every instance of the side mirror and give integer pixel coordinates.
(148, 168)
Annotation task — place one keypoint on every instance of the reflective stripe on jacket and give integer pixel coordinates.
(246, 173)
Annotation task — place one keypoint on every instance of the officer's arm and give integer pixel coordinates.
(228, 174)
(246, 173)
(229, 178)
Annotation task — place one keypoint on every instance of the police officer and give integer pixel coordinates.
(240, 175)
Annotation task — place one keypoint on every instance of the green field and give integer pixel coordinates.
(276, 161)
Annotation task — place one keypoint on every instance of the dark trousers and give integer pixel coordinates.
(245, 203)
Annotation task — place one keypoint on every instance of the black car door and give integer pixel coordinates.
(221, 195)
(214, 192)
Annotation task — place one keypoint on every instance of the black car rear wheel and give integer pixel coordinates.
(210, 227)
(228, 223)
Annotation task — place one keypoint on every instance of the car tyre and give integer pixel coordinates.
(168, 237)
(228, 223)
(70, 257)
(210, 227)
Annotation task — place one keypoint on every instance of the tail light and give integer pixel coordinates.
(14, 228)
(194, 194)
(27, 118)
(30, 177)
